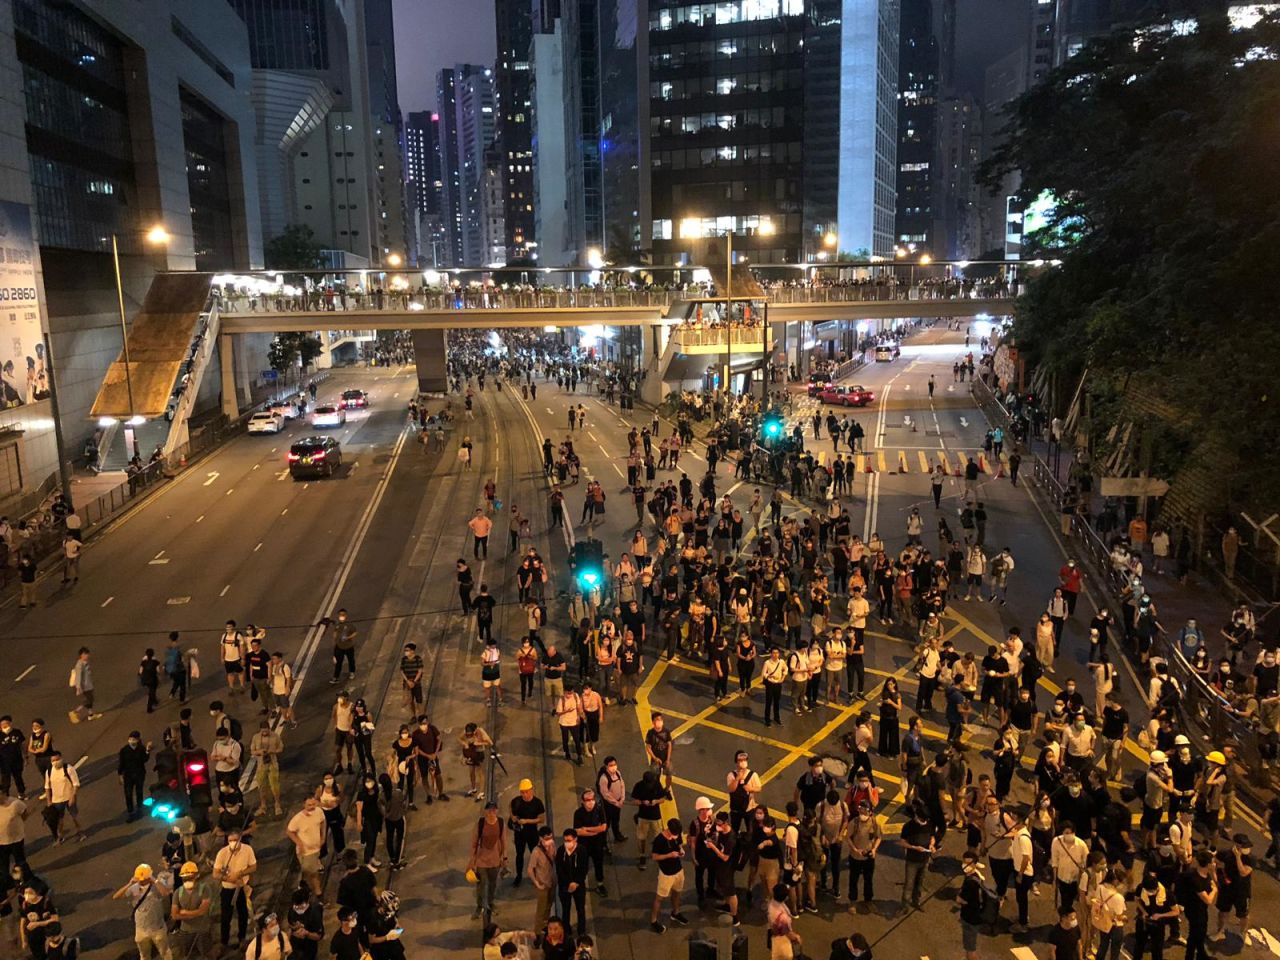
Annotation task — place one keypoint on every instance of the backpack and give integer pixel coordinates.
(1140, 784)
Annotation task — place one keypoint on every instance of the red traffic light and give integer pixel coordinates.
(195, 766)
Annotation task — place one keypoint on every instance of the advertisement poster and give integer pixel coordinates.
(23, 374)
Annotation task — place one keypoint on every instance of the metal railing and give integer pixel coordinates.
(203, 339)
(338, 300)
(1201, 706)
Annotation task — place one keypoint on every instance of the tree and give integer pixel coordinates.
(287, 349)
(1159, 148)
(295, 249)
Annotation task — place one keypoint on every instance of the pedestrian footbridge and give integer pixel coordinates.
(188, 319)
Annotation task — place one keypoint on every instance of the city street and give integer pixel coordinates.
(381, 539)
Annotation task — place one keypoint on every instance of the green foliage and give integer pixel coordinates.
(1163, 152)
(287, 348)
(295, 249)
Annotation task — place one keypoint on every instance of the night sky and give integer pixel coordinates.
(431, 34)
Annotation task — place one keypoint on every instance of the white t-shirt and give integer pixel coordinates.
(234, 858)
(310, 828)
(1022, 848)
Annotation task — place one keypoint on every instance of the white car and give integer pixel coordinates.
(328, 416)
(266, 422)
(288, 409)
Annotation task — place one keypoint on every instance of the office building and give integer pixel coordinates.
(476, 124)
(958, 201)
(449, 84)
(391, 220)
(550, 148)
(423, 187)
(774, 120)
(119, 117)
(513, 81)
(315, 139)
(918, 181)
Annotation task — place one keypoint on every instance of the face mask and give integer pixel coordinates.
(1166, 851)
(328, 781)
(189, 884)
(300, 908)
(272, 932)
(1044, 804)
(133, 742)
(1074, 791)
(1073, 923)
(817, 772)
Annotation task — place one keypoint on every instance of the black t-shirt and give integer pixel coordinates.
(313, 921)
(1268, 678)
(1022, 714)
(484, 605)
(971, 900)
(1066, 943)
(918, 835)
(346, 946)
(523, 809)
(428, 741)
(840, 950)
(813, 790)
(659, 742)
(357, 890)
(1115, 723)
(258, 661)
(553, 664)
(1190, 886)
(671, 865)
(582, 817)
(644, 790)
(629, 660)
(1234, 887)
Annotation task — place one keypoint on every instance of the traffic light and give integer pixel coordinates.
(195, 773)
(588, 564)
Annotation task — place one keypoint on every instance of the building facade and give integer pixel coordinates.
(514, 91)
(423, 188)
(476, 124)
(118, 115)
(776, 121)
(451, 83)
(918, 181)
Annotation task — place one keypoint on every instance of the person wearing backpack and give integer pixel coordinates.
(1108, 914)
(271, 943)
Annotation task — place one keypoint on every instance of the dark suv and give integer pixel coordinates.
(314, 457)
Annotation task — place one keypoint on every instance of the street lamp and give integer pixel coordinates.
(395, 260)
(156, 236)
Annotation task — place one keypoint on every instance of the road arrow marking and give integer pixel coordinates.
(212, 475)
(964, 422)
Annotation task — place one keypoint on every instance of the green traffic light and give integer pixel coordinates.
(589, 578)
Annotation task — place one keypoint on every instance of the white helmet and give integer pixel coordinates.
(1181, 740)
(1158, 757)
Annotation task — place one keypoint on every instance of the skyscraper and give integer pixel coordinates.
(513, 83)
(388, 130)
(476, 123)
(917, 180)
(423, 188)
(798, 143)
(449, 83)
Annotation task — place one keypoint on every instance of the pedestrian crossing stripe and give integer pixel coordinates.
(924, 462)
(952, 462)
(881, 464)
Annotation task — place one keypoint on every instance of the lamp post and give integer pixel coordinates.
(158, 236)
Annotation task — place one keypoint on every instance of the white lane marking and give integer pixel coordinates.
(282, 474)
(256, 466)
(157, 563)
(80, 761)
(24, 673)
(177, 601)
(106, 601)
(258, 547)
(306, 485)
(593, 437)
(199, 518)
(284, 511)
(620, 473)
(274, 449)
(224, 590)
(212, 475)
(353, 468)
(550, 411)
(158, 555)
(231, 491)
(729, 492)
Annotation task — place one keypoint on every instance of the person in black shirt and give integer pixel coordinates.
(306, 926)
(1115, 725)
(345, 944)
(1064, 938)
(528, 813)
(1236, 890)
(668, 854)
(591, 826)
(571, 879)
(919, 845)
(149, 677)
(1197, 890)
(971, 898)
(812, 787)
(1071, 802)
(358, 888)
(466, 582)
(483, 605)
(132, 768)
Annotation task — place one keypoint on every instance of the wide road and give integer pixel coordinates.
(899, 452)
(233, 538)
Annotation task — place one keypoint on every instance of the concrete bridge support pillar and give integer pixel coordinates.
(226, 363)
(431, 355)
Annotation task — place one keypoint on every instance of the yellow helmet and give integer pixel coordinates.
(189, 869)
(142, 872)
(526, 784)
(1216, 756)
